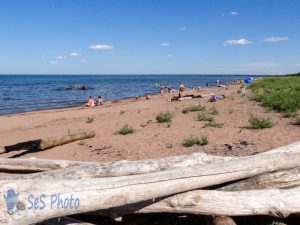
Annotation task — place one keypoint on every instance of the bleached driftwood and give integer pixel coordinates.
(273, 202)
(120, 168)
(279, 179)
(37, 165)
(43, 144)
(101, 193)
(94, 169)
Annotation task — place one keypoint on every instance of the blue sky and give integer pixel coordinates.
(149, 36)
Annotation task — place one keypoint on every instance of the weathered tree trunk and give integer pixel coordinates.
(121, 168)
(43, 144)
(82, 170)
(101, 193)
(37, 165)
(273, 202)
(279, 179)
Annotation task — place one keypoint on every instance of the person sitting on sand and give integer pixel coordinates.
(181, 89)
(100, 100)
(91, 102)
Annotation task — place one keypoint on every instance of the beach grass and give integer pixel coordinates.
(278, 93)
(213, 124)
(90, 119)
(126, 129)
(194, 108)
(191, 141)
(256, 122)
(205, 117)
(213, 111)
(164, 117)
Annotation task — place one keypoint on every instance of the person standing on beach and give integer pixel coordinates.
(181, 89)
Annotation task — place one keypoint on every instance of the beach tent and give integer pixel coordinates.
(248, 80)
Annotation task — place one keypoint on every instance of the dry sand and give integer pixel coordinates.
(151, 139)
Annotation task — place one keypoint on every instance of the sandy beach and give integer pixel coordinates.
(151, 139)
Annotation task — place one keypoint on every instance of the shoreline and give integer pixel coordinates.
(150, 139)
(67, 99)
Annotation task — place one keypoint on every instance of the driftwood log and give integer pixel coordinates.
(275, 180)
(43, 144)
(47, 198)
(120, 168)
(82, 170)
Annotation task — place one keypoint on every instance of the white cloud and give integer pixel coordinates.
(169, 55)
(83, 61)
(164, 44)
(75, 54)
(61, 57)
(234, 13)
(102, 47)
(54, 62)
(182, 28)
(237, 42)
(275, 39)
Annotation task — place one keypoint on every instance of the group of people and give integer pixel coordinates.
(91, 102)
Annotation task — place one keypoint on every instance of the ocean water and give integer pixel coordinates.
(23, 93)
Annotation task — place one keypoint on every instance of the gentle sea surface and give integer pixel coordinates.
(23, 93)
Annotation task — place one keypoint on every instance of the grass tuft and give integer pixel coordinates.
(213, 111)
(194, 108)
(256, 122)
(90, 119)
(204, 117)
(191, 141)
(164, 117)
(126, 129)
(213, 124)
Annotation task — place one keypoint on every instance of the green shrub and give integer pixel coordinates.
(164, 117)
(191, 141)
(90, 119)
(214, 124)
(126, 129)
(205, 117)
(194, 108)
(280, 93)
(260, 123)
(213, 111)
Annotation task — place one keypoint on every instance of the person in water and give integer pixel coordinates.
(91, 102)
(100, 100)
